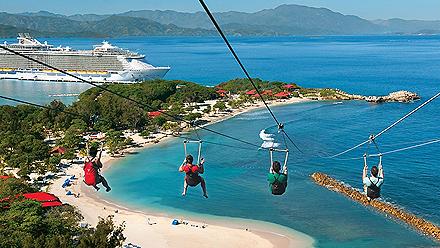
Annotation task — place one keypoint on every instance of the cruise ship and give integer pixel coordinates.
(104, 64)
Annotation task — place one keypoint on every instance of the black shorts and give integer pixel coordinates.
(193, 180)
(98, 179)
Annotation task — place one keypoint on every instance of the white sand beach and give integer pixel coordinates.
(155, 229)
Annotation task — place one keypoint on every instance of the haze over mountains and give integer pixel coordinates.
(283, 20)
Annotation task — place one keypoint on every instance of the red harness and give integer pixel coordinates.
(190, 169)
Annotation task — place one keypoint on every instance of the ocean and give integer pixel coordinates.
(236, 178)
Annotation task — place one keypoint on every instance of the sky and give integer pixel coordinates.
(368, 9)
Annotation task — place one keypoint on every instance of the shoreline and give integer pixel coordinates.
(224, 231)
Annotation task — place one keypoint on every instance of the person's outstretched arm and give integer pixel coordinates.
(364, 173)
(201, 167)
(87, 149)
(380, 166)
(285, 170)
(100, 152)
(182, 165)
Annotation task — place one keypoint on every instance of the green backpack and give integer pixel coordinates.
(278, 188)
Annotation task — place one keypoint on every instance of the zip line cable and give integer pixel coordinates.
(217, 26)
(390, 126)
(78, 115)
(214, 143)
(122, 96)
(406, 143)
(392, 151)
(39, 106)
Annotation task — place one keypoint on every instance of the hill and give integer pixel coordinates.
(282, 20)
(112, 26)
(285, 19)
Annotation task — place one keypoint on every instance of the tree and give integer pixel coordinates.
(220, 106)
(25, 223)
(71, 139)
(159, 121)
(145, 134)
(115, 141)
(235, 104)
(172, 126)
(192, 116)
(106, 235)
(207, 110)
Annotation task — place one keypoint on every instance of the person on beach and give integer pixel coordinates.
(95, 161)
(372, 183)
(192, 174)
(277, 178)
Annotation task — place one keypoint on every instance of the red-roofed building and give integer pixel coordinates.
(267, 92)
(221, 92)
(154, 114)
(4, 177)
(256, 95)
(46, 199)
(51, 204)
(41, 196)
(282, 95)
(251, 92)
(58, 150)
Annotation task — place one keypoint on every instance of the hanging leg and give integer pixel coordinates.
(203, 184)
(105, 184)
(185, 187)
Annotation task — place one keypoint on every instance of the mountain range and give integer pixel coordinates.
(283, 20)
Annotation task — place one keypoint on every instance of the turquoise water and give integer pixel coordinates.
(236, 177)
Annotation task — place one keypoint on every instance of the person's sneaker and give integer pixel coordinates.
(183, 194)
(108, 189)
(206, 196)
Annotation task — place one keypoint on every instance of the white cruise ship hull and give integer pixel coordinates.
(101, 77)
(104, 64)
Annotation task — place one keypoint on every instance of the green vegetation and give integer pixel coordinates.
(327, 93)
(242, 85)
(23, 129)
(28, 134)
(220, 106)
(24, 223)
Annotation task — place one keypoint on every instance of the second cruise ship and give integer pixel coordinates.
(104, 64)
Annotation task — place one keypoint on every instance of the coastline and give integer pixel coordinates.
(226, 231)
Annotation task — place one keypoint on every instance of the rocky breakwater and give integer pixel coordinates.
(398, 96)
(412, 220)
(337, 94)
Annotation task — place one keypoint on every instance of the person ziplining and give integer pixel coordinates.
(277, 176)
(92, 167)
(192, 171)
(373, 183)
